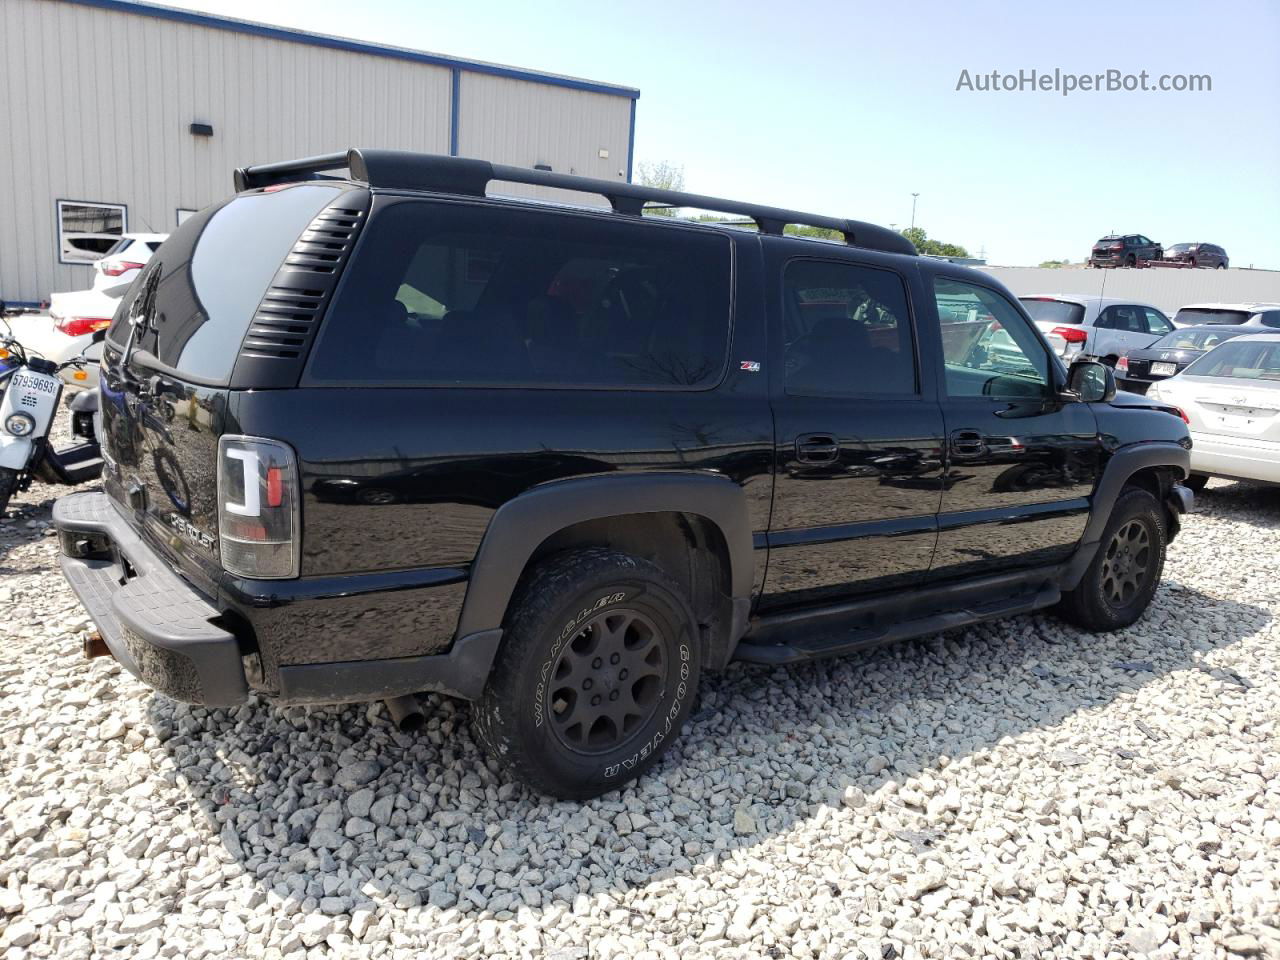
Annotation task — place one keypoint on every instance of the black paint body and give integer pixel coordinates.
(402, 484)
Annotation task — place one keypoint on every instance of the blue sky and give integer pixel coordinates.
(847, 108)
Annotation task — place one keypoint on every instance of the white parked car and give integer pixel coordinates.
(1254, 314)
(1230, 398)
(1103, 327)
(120, 264)
(68, 330)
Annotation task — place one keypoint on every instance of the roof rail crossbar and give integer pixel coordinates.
(462, 175)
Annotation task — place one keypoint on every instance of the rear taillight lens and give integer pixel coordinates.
(79, 326)
(1117, 246)
(115, 268)
(1183, 414)
(1070, 334)
(1122, 365)
(259, 528)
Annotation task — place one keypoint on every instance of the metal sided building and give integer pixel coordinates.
(125, 117)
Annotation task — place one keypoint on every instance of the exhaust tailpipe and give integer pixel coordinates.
(95, 646)
(406, 714)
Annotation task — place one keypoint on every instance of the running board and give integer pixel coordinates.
(791, 638)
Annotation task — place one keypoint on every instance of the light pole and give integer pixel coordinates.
(913, 210)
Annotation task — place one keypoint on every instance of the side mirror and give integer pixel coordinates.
(1092, 381)
(99, 335)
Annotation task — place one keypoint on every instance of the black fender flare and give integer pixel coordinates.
(1122, 465)
(522, 524)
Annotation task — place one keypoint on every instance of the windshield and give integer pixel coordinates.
(1181, 248)
(1203, 315)
(1053, 311)
(1195, 338)
(1240, 360)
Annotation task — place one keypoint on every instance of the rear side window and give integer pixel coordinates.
(1124, 317)
(205, 284)
(847, 331)
(447, 294)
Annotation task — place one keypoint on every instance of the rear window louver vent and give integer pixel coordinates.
(285, 323)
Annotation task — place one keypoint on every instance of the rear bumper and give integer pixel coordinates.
(155, 624)
(1235, 457)
(161, 628)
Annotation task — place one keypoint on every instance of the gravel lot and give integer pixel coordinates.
(1017, 789)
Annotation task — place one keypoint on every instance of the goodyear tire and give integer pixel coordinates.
(597, 674)
(1120, 582)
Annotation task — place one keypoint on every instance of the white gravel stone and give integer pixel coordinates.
(1017, 788)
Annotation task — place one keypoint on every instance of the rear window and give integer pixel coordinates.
(1192, 315)
(1195, 338)
(447, 294)
(1053, 311)
(206, 282)
(1240, 360)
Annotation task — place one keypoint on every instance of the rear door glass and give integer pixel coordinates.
(453, 294)
(209, 277)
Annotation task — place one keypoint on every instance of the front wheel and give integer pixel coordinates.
(596, 675)
(1120, 582)
(8, 487)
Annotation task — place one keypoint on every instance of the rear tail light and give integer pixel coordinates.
(1183, 414)
(1117, 246)
(1122, 365)
(1070, 334)
(119, 267)
(79, 326)
(259, 528)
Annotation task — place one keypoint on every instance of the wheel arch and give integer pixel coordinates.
(1153, 466)
(709, 510)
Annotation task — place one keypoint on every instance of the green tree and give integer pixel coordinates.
(1055, 264)
(937, 248)
(661, 176)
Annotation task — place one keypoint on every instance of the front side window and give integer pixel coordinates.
(847, 330)
(446, 294)
(1157, 323)
(88, 231)
(988, 348)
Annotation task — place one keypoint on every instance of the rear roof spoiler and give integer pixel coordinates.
(402, 169)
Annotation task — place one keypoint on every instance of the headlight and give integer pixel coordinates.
(19, 424)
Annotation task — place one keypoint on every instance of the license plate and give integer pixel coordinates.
(1164, 369)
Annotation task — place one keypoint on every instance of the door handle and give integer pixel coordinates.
(817, 448)
(967, 443)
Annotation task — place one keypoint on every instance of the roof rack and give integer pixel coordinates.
(462, 175)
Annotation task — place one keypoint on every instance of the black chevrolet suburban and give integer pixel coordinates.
(369, 432)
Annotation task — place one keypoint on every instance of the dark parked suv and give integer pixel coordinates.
(379, 434)
(1198, 255)
(1124, 251)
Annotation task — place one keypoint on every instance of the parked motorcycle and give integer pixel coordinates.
(32, 389)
